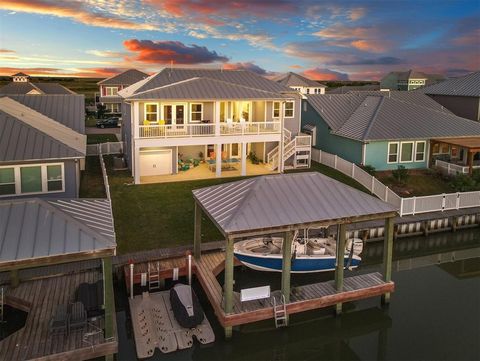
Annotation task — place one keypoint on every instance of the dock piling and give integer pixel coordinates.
(340, 263)
(387, 255)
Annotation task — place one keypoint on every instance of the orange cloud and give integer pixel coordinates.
(366, 45)
(324, 74)
(164, 52)
(7, 51)
(296, 66)
(74, 10)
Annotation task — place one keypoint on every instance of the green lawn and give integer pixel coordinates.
(158, 215)
(419, 184)
(101, 138)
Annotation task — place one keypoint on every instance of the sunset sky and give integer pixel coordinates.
(324, 40)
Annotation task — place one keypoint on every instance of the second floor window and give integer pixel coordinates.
(288, 111)
(111, 90)
(41, 178)
(151, 112)
(196, 112)
(276, 109)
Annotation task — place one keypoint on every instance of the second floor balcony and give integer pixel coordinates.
(157, 130)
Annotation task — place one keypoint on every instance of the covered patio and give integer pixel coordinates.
(282, 205)
(456, 155)
(44, 246)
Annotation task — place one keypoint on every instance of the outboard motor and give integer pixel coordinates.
(357, 246)
(186, 307)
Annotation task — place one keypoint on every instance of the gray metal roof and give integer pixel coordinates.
(28, 135)
(279, 201)
(348, 88)
(467, 86)
(41, 229)
(128, 77)
(382, 118)
(205, 88)
(68, 110)
(26, 87)
(293, 79)
(240, 77)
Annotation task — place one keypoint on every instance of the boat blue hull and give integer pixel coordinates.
(299, 265)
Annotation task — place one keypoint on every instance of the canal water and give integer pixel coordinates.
(434, 312)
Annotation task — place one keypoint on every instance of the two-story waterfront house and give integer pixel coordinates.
(109, 88)
(42, 145)
(204, 123)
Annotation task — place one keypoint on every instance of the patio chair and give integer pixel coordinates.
(59, 322)
(78, 317)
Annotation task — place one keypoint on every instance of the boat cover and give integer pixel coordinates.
(185, 305)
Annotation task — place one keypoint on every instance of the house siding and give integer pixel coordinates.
(376, 154)
(126, 133)
(71, 182)
(345, 148)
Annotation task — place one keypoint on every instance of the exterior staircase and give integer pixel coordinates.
(300, 148)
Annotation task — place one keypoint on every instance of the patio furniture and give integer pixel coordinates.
(78, 317)
(91, 296)
(59, 321)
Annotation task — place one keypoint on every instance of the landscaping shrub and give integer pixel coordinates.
(370, 169)
(400, 174)
(465, 182)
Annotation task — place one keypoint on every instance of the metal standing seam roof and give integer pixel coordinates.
(467, 86)
(68, 110)
(205, 88)
(240, 77)
(28, 135)
(41, 229)
(348, 88)
(279, 201)
(389, 119)
(293, 79)
(26, 87)
(128, 77)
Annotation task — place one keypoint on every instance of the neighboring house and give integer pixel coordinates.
(408, 80)
(349, 88)
(42, 145)
(300, 83)
(110, 87)
(389, 129)
(203, 123)
(460, 95)
(21, 84)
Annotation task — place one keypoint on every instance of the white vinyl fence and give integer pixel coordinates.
(407, 206)
(105, 148)
(104, 173)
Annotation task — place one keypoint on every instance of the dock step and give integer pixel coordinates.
(153, 276)
(280, 312)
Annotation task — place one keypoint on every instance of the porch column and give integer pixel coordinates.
(136, 165)
(387, 255)
(287, 265)
(218, 160)
(228, 284)
(216, 116)
(109, 305)
(470, 162)
(340, 262)
(244, 159)
(281, 144)
(197, 237)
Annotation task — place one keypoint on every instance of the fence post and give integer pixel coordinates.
(443, 201)
(320, 156)
(373, 185)
(401, 207)
(448, 168)
(335, 161)
(414, 205)
(386, 193)
(353, 170)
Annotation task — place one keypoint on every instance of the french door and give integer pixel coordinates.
(174, 114)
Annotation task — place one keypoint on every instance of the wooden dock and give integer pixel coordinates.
(303, 298)
(40, 299)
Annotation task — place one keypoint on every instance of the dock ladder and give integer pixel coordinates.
(153, 276)
(280, 312)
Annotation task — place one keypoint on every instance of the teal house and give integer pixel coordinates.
(386, 129)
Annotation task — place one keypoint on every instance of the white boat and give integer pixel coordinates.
(308, 254)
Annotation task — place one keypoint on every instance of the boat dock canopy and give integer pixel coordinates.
(36, 232)
(285, 202)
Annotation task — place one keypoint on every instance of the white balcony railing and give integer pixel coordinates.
(451, 168)
(203, 130)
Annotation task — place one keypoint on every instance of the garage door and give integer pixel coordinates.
(158, 162)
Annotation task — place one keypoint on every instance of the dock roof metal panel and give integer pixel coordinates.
(128, 77)
(286, 200)
(36, 230)
(206, 88)
(467, 86)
